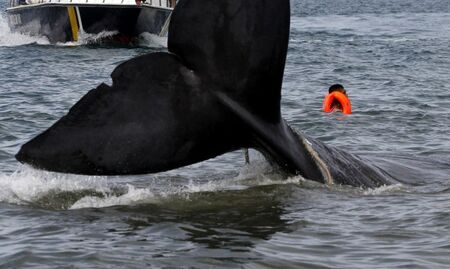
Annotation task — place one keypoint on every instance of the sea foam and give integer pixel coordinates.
(12, 39)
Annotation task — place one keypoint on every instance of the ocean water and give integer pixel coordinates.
(393, 59)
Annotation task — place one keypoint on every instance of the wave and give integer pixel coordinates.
(12, 39)
(396, 27)
(152, 40)
(105, 37)
(89, 39)
(42, 189)
(28, 186)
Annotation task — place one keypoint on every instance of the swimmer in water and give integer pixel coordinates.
(337, 99)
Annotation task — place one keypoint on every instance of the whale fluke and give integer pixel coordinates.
(155, 117)
(218, 89)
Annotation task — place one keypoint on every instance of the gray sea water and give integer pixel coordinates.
(393, 59)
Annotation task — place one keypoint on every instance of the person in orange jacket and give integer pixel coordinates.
(337, 99)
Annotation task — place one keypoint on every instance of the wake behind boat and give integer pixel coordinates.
(66, 20)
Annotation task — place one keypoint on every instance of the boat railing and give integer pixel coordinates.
(153, 3)
(13, 3)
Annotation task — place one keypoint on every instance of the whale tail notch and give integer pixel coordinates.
(217, 89)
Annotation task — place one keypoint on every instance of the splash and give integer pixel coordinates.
(152, 40)
(132, 196)
(386, 189)
(106, 37)
(28, 186)
(49, 190)
(11, 39)
(258, 173)
(89, 39)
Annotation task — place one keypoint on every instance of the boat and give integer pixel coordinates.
(68, 20)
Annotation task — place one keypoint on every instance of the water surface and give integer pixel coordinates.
(392, 56)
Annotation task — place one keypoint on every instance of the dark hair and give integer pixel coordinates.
(335, 87)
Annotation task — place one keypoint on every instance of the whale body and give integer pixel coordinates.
(217, 89)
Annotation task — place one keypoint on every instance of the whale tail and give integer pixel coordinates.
(217, 89)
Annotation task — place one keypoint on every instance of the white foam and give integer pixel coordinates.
(27, 184)
(11, 39)
(386, 189)
(132, 196)
(86, 39)
(154, 195)
(145, 39)
(152, 40)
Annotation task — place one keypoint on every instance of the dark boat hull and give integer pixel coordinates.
(63, 23)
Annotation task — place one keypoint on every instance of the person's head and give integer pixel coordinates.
(337, 88)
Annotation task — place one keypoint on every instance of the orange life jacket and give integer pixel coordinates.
(341, 98)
